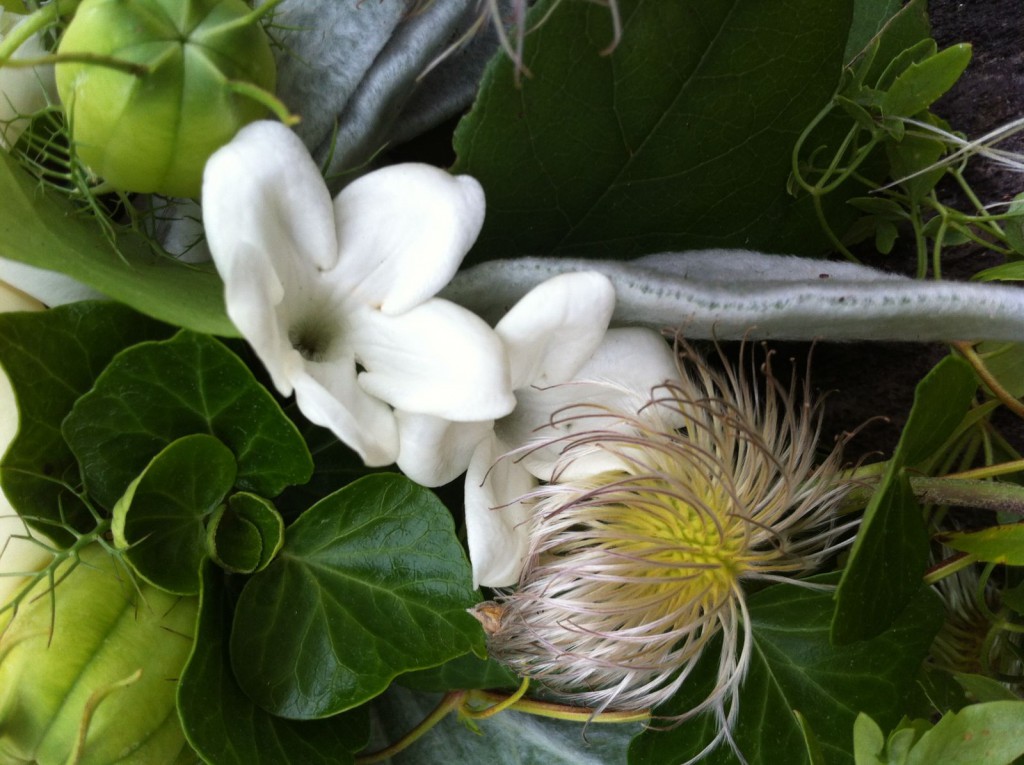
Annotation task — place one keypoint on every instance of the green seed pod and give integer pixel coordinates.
(94, 682)
(202, 70)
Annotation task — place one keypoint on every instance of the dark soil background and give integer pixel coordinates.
(878, 379)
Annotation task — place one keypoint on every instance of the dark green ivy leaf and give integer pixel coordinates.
(223, 724)
(157, 392)
(53, 357)
(371, 582)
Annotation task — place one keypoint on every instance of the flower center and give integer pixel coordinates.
(313, 339)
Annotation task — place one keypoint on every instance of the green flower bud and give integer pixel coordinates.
(153, 87)
(94, 682)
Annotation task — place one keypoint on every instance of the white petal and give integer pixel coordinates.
(552, 331)
(270, 228)
(497, 527)
(433, 451)
(328, 395)
(437, 359)
(403, 232)
(48, 287)
(621, 376)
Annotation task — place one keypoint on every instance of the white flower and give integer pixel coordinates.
(560, 355)
(23, 90)
(633, 571)
(337, 298)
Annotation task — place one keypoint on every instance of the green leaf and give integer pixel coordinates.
(912, 160)
(988, 734)
(371, 582)
(245, 535)
(179, 293)
(466, 671)
(890, 553)
(869, 18)
(995, 544)
(886, 564)
(679, 139)
(1008, 272)
(985, 688)
(155, 393)
(222, 723)
(941, 401)
(53, 357)
(907, 28)
(814, 754)
(1014, 227)
(868, 741)
(922, 83)
(793, 666)
(160, 520)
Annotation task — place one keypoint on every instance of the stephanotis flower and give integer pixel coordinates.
(633, 571)
(560, 353)
(336, 298)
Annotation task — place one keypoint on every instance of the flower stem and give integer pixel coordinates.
(36, 22)
(1005, 397)
(500, 706)
(956, 489)
(450, 702)
(561, 711)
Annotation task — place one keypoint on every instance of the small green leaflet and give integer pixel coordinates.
(160, 522)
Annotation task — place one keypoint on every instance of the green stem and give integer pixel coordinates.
(130, 67)
(562, 711)
(267, 99)
(961, 492)
(501, 706)
(38, 21)
(981, 495)
(949, 567)
(451, 701)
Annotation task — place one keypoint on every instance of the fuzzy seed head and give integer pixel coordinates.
(633, 571)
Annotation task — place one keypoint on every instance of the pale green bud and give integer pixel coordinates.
(94, 681)
(199, 66)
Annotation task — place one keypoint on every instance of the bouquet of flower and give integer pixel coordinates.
(383, 383)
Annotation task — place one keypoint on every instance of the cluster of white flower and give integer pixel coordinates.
(337, 299)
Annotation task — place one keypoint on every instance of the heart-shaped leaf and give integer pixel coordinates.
(155, 393)
(371, 582)
(222, 723)
(53, 357)
(680, 138)
(160, 521)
